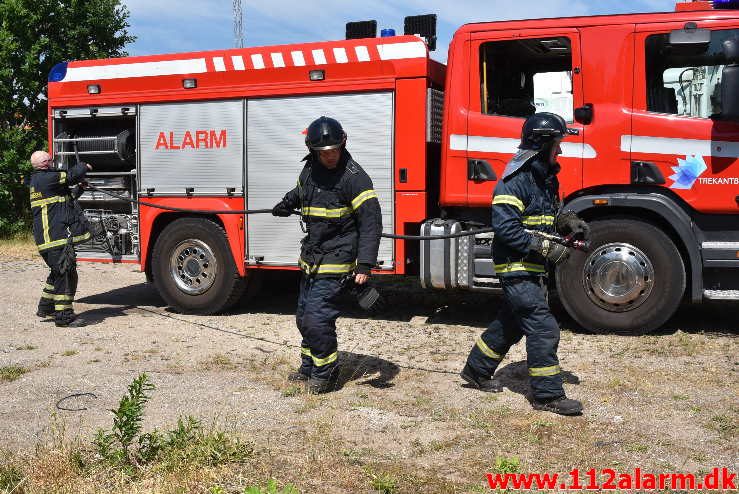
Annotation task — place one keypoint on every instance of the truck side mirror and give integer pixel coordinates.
(730, 81)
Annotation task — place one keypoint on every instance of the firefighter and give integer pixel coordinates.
(57, 226)
(341, 212)
(526, 198)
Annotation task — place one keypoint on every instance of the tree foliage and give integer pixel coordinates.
(34, 36)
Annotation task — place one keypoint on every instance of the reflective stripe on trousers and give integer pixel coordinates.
(316, 319)
(524, 312)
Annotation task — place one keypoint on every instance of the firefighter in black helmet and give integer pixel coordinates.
(526, 198)
(339, 206)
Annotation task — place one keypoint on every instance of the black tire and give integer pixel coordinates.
(193, 269)
(641, 298)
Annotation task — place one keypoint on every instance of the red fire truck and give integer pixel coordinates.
(654, 168)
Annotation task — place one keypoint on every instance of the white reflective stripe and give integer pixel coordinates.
(257, 61)
(362, 53)
(277, 60)
(219, 64)
(507, 145)
(458, 142)
(720, 245)
(319, 58)
(397, 51)
(492, 144)
(340, 55)
(685, 147)
(298, 59)
(140, 69)
(238, 62)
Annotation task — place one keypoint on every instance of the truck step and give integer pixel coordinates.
(721, 294)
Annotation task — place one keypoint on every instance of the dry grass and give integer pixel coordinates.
(10, 373)
(19, 248)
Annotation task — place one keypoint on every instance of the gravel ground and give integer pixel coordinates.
(665, 401)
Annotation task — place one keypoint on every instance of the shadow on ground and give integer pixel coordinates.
(277, 293)
(140, 294)
(515, 376)
(367, 370)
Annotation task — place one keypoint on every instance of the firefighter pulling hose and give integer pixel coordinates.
(528, 194)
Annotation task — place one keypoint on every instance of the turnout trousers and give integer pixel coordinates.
(316, 320)
(525, 312)
(57, 295)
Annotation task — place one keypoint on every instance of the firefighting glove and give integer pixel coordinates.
(552, 251)
(77, 191)
(569, 223)
(281, 209)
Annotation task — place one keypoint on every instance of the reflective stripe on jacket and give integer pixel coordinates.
(526, 200)
(55, 217)
(342, 215)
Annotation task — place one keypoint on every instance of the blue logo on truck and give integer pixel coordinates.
(687, 171)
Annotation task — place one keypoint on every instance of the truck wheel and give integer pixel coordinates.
(193, 268)
(631, 281)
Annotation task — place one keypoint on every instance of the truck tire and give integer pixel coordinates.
(193, 268)
(630, 282)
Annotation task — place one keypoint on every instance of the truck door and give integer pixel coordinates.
(513, 75)
(676, 124)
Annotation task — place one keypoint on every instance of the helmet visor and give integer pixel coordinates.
(318, 147)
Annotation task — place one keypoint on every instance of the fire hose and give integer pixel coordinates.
(567, 241)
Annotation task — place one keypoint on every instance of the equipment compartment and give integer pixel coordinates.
(105, 138)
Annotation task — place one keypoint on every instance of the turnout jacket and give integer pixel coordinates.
(56, 219)
(342, 216)
(526, 200)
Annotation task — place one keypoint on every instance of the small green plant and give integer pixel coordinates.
(186, 445)
(507, 465)
(271, 488)
(291, 390)
(69, 353)
(636, 448)
(11, 373)
(27, 346)
(725, 425)
(127, 418)
(383, 482)
(10, 478)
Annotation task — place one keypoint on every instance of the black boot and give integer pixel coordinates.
(560, 405)
(297, 376)
(320, 386)
(479, 381)
(44, 312)
(69, 320)
(317, 386)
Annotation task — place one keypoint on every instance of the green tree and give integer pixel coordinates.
(34, 36)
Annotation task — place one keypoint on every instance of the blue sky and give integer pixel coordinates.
(166, 26)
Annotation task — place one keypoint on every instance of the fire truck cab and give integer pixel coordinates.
(654, 168)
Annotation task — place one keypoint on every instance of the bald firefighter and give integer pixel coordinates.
(57, 227)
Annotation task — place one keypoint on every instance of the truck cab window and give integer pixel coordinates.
(685, 82)
(521, 77)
